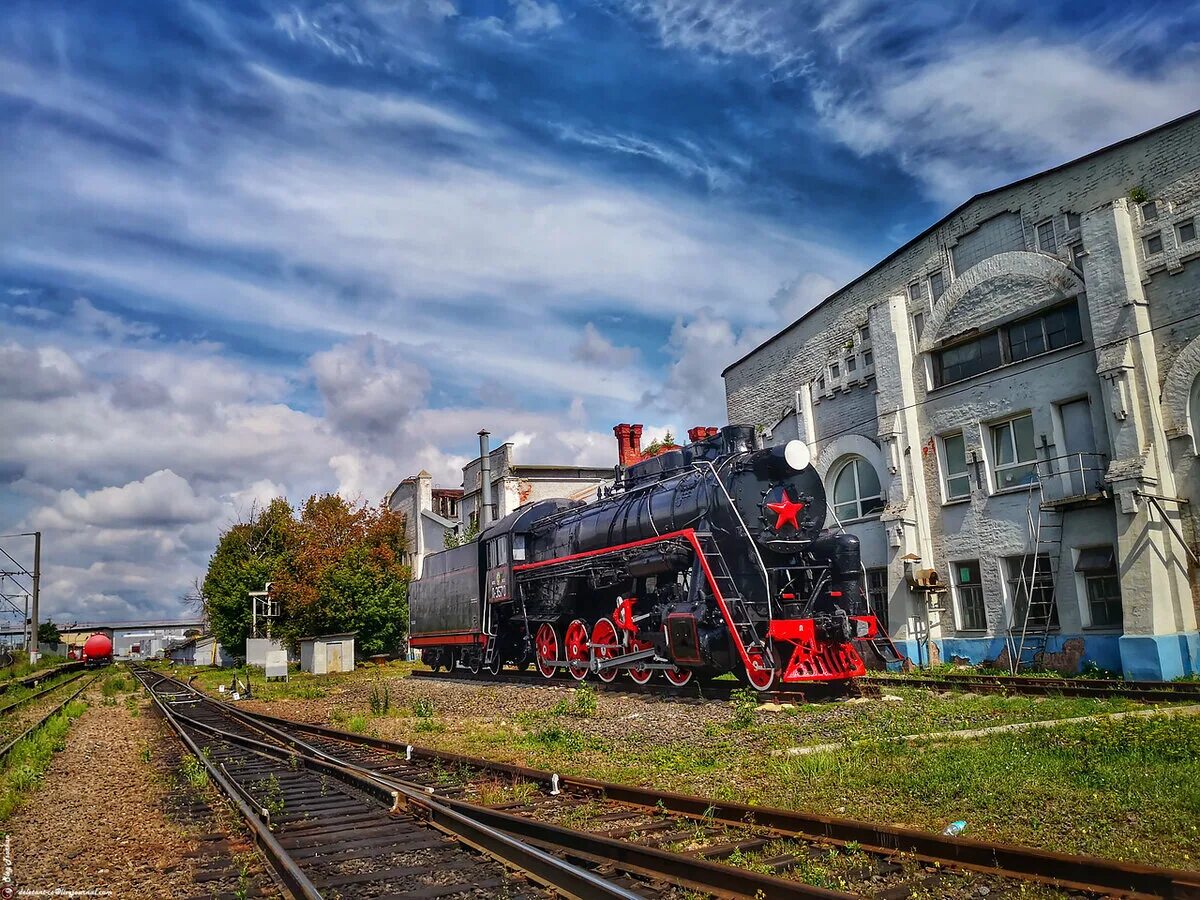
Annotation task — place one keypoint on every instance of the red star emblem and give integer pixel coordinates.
(786, 511)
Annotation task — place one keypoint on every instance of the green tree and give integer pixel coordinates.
(48, 633)
(248, 555)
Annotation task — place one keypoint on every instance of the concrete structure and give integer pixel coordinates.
(1046, 331)
(432, 513)
(326, 654)
(200, 651)
(258, 648)
(151, 638)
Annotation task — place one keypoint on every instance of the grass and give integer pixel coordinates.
(29, 760)
(21, 667)
(1120, 788)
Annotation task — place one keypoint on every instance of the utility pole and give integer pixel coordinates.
(37, 581)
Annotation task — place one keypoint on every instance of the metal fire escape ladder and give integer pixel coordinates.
(751, 624)
(1036, 584)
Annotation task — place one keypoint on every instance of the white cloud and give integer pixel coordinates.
(801, 294)
(160, 499)
(593, 347)
(532, 16)
(369, 385)
(105, 324)
(40, 373)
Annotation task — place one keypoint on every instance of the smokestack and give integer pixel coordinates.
(629, 443)
(485, 480)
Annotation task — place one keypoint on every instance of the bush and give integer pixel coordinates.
(381, 699)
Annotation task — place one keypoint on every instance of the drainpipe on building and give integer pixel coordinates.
(485, 481)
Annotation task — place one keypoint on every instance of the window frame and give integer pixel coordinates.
(916, 291)
(935, 296)
(1146, 241)
(1078, 220)
(850, 462)
(880, 592)
(1179, 226)
(1150, 211)
(978, 603)
(944, 468)
(997, 467)
(1048, 582)
(1052, 250)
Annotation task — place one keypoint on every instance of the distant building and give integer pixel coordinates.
(433, 512)
(203, 650)
(327, 654)
(1012, 399)
(140, 640)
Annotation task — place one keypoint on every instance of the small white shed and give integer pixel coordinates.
(327, 653)
(201, 651)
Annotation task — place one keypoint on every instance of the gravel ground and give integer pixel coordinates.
(463, 706)
(97, 820)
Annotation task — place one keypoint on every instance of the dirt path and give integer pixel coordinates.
(99, 821)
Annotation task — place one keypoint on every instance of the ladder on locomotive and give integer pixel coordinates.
(750, 622)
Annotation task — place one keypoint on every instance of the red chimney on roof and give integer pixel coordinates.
(700, 432)
(629, 443)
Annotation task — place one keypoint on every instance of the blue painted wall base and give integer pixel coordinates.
(1160, 657)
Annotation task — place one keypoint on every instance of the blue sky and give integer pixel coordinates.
(265, 247)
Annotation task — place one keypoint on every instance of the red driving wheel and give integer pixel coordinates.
(678, 677)
(606, 645)
(638, 672)
(546, 644)
(578, 652)
(759, 674)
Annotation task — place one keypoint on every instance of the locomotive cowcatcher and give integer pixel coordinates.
(706, 559)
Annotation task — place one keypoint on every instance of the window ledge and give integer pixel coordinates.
(1104, 629)
(970, 632)
(874, 517)
(999, 492)
(956, 501)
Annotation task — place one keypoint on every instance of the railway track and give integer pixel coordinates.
(40, 675)
(12, 742)
(48, 689)
(724, 848)
(330, 829)
(1140, 691)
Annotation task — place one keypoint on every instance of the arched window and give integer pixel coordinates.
(856, 491)
(1194, 414)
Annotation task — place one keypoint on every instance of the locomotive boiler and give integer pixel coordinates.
(706, 559)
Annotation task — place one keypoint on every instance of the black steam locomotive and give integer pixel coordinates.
(702, 560)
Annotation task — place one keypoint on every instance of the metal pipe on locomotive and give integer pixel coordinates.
(707, 559)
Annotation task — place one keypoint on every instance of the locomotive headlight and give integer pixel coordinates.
(797, 455)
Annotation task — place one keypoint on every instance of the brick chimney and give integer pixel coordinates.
(700, 432)
(629, 443)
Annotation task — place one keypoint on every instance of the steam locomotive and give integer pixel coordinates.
(706, 559)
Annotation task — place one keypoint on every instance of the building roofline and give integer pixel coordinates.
(954, 212)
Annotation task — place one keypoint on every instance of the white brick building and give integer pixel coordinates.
(1046, 331)
(430, 513)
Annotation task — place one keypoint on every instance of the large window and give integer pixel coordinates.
(877, 595)
(1031, 586)
(966, 359)
(1050, 330)
(937, 285)
(1098, 565)
(1014, 456)
(1045, 237)
(968, 589)
(856, 491)
(957, 482)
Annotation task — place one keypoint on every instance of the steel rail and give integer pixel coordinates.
(285, 868)
(541, 866)
(8, 748)
(40, 675)
(46, 690)
(1091, 874)
(1139, 691)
